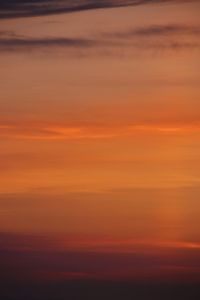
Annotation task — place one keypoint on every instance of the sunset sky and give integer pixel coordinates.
(100, 141)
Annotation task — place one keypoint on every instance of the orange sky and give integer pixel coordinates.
(100, 127)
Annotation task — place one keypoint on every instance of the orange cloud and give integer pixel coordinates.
(57, 132)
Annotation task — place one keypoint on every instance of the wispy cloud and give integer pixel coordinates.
(155, 37)
(157, 31)
(30, 8)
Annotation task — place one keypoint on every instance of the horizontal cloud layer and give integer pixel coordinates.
(155, 37)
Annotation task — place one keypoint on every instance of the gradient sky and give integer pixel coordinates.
(100, 135)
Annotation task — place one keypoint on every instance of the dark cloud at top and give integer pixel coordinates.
(28, 8)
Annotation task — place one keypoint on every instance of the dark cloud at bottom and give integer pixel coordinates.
(33, 271)
(19, 283)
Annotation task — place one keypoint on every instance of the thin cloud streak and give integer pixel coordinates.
(161, 31)
(65, 133)
(18, 43)
(101, 244)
